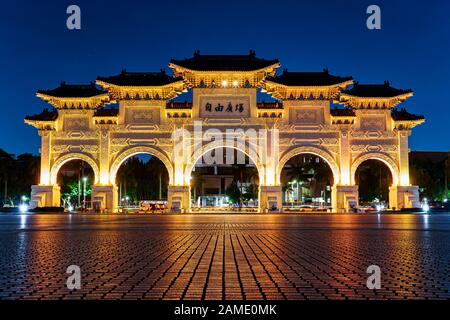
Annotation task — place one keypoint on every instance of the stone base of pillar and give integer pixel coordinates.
(404, 197)
(105, 198)
(344, 198)
(179, 198)
(270, 199)
(45, 196)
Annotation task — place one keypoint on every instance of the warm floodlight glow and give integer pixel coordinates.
(404, 179)
(344, 177)
(235, 83)
(45, 178)
(224, 83)
(104, 178)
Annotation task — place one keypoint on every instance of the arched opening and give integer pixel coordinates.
(373, 178)
(224, 178)
(306, 181)
(75, 178)
(142, 180)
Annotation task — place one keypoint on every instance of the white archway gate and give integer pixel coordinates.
(224, 98)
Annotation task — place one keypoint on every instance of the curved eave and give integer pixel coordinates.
(402, 97)
(341, 85)
(94, 101)
(273, 89)
(47, 97)
(409, 123)
(179, 69)
(41, 124)
(107, 85)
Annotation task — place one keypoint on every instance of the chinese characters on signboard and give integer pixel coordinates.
(224, 106)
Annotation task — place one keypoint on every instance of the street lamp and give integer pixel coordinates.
(23, 207)
(84, 192)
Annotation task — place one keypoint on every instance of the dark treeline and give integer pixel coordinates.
(431, 174)
(17, 175)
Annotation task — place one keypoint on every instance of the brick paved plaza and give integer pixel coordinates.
(225, 256)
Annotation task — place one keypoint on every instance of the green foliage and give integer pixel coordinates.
(17, 175)
(141, 180)
(374, 179)
(233, 192)
(432, 178)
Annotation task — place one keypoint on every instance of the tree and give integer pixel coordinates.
(233, 193)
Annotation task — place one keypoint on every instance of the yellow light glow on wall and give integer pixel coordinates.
(270, 177)
(104, 178)
(45, 178)
(344, 177)
(179, 177)
(404, 179)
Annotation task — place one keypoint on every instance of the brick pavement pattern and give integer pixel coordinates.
(218, 257)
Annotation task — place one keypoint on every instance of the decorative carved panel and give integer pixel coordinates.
(373, 123)
(307, 115)
(76, 123)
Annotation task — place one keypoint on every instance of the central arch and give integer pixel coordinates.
(253, 156)
(127, 153)
(309, 150)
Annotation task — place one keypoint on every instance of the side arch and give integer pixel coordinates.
(387, 160)
(129, 152)
(59, 162)
(325, 155)
(197, 155)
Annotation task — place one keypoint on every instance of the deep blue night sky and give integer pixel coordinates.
(411, 51)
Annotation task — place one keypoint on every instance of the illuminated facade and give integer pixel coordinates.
(368, 125)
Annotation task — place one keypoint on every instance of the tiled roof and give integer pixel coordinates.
(179, 105)
(150, 79)
(45, 115)
(300, 79)
(375, 91)
(106, 112)
(269, 105)
(339, 112)
(247, 62)
(73, 91)
(403, 115)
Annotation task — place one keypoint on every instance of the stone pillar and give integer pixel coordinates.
(179, 198)
(344, 198)
(344, 154)
(45, 150)
(45, 196)
(270, 198)
(104, 154)
(403, 157)
(105, 198)
(404, 197)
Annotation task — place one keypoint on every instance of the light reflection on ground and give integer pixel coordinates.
(225, 256)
